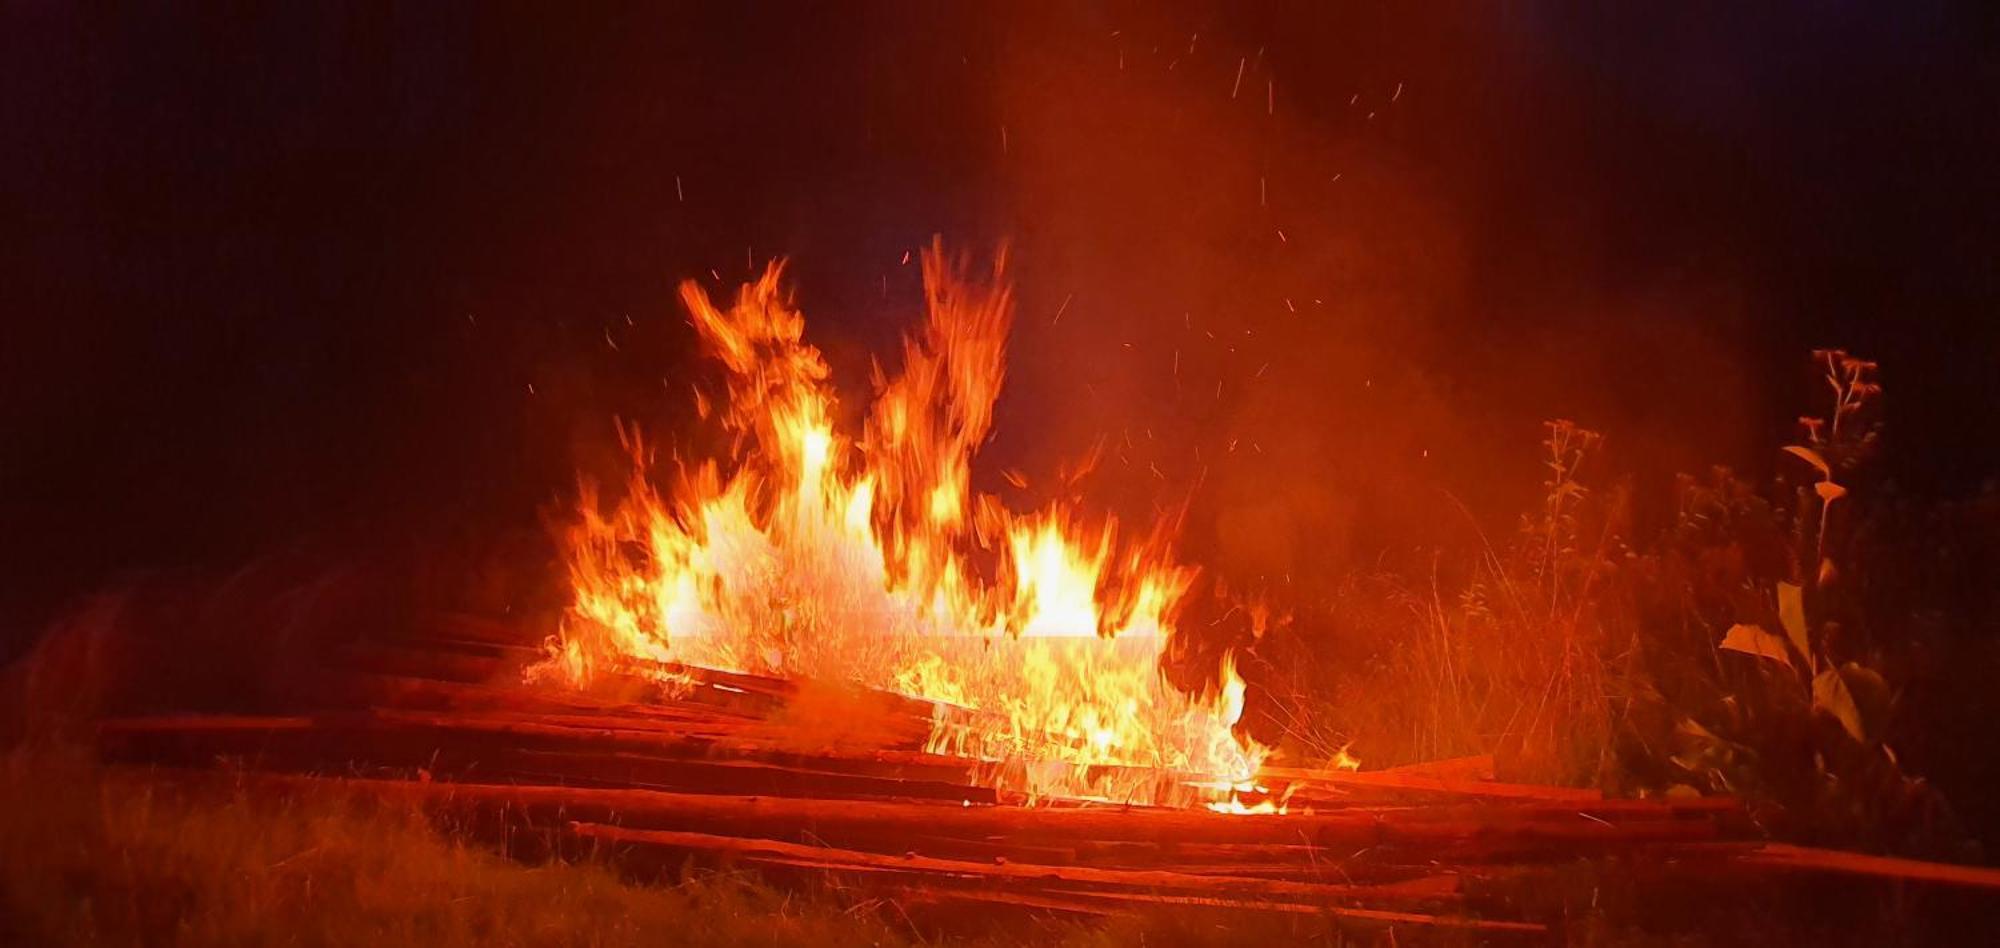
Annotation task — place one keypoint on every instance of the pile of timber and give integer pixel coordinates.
(800, 781)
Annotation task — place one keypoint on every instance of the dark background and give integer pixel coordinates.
(275, 271)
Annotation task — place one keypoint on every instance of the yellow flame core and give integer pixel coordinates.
(820, 556)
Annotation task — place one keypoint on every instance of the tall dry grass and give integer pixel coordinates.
(99, 857)
(91, 855)
(1507, 650)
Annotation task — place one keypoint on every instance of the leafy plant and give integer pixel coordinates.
(1802, 732)
(1748, 648)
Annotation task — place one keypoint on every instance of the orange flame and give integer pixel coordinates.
(819, 556)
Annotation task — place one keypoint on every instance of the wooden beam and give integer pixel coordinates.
(831, 858)
(1378, 916)
(1417, 784)
(1806, 858)
(1467, 834)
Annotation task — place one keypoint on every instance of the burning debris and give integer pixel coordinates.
(809, 552)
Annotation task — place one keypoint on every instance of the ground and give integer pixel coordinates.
(100, 855)
(91, 854)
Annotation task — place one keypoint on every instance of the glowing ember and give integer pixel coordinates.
(806, 553)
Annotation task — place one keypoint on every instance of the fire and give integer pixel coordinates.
(806, 552)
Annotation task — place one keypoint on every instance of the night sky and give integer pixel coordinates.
(274, 272)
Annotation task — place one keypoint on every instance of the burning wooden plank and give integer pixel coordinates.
(486, 750)
(1331, 785)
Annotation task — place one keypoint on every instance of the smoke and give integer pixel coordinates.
(1274, 269)
(1314, 271)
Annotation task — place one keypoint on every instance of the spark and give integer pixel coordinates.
(678, 193)
(1399, 92)
(1061, 309)
(1239, 79)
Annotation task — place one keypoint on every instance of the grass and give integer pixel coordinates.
(94, 855)
(101, 856)
(1513, 650)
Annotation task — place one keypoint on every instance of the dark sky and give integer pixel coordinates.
(273, 271)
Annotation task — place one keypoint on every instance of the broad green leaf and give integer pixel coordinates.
(1860, 677)
(1871, 695)
(1792, 614)
(1830, 694)
(1811, 457)
(1751, 640)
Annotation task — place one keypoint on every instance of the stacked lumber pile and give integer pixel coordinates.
(800, 781)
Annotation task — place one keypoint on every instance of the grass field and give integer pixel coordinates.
(93, 855)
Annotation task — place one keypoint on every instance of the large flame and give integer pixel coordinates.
(806, 553)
